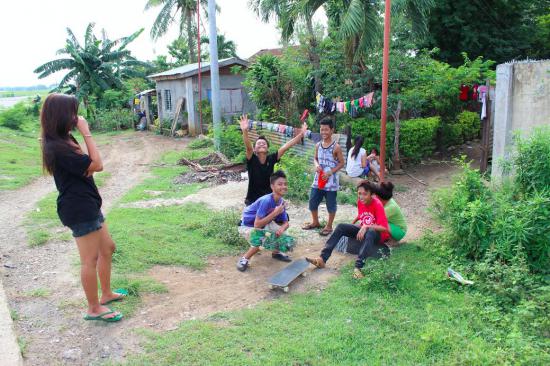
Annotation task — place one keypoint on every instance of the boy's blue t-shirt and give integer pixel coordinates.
(262, 207)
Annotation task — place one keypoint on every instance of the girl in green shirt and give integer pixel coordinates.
(396, 220)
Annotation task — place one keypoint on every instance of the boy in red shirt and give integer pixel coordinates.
(371, 230)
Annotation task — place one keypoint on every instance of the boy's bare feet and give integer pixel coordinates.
(317, 262)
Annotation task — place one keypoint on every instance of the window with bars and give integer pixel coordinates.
(168, 100)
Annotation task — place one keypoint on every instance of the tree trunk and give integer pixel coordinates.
(396, 161)
(190, 36)
(313, 55)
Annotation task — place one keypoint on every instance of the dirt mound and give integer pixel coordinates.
(212, 177)
(213, 160)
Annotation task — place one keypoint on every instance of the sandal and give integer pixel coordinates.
(102, 317)
(325, 232)
(119, 291)
(310, 226)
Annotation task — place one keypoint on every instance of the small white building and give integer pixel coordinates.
(182, 84)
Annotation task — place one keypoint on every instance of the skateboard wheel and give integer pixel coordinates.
(285, 289)
(304, 274)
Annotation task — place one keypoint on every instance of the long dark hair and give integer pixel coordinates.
(58, 117)
(357, 146)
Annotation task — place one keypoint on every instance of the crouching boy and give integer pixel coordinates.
(265, 221)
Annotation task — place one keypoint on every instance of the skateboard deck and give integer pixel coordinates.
(288, 274)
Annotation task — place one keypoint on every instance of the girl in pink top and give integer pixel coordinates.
(370, 227)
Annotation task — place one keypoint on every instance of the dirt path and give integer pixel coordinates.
(52, 326)
(220, 287)
(53, 334)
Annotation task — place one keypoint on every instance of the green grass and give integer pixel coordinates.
(403, 313)
(162, 236)
(38, 292)
(20, 160)
(23, 93)
(160, 185)
(20, 157)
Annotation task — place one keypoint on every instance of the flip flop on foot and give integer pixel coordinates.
(104, 316)
(121, 294)
(325, 232)
(310, 226)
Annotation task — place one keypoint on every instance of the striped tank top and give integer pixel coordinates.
(326, 159)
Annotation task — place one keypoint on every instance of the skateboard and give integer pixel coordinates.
(288, 274)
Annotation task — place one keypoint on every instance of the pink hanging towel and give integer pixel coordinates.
(362, 102)
(282, 128)
(340, 107)
(368, 99)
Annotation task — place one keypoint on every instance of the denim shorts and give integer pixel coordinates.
(84, 228)
(316, 196)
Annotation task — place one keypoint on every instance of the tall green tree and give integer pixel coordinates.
(287, 13)
(226, 47)
(182, 11)
(95, 66)
(500, 30)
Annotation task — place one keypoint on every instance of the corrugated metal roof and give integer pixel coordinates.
(193, 69)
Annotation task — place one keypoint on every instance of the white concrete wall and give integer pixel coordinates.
(522, 103)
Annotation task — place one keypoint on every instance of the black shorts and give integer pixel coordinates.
(84, 228)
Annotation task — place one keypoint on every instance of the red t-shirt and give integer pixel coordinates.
(373, 214)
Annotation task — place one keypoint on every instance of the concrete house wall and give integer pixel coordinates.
(522, 102)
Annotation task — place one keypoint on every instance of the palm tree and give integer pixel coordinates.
(359, 22)
(287, 13)
(185, 12)
(99, 65)
(226, 48)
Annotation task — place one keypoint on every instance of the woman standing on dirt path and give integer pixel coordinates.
(259, 164)
(79, 202)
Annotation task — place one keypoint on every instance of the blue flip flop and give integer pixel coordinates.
(122, 292)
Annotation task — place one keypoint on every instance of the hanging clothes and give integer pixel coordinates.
(289, 130)
(464, 90)
(316, 137)
(340, 107)
(368, 99)
(475, 94)
(308, 134)
(347, 106)
(362, 102)
(281, 129)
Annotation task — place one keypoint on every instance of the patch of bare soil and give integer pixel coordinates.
(52, 325)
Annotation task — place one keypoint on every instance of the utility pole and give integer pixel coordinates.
(214, 73)
(385, 72)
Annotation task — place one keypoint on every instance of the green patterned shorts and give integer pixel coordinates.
(270, 241)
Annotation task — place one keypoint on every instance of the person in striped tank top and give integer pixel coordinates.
(328, 161)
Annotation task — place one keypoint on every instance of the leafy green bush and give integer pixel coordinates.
(299, 173)
(470, 125)
(503, 221)
(231, 143)
(532, 160)
(451, 134)
(222, 225)
(417, 136)
(16, 117)
(113, 119)
(201, 143)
